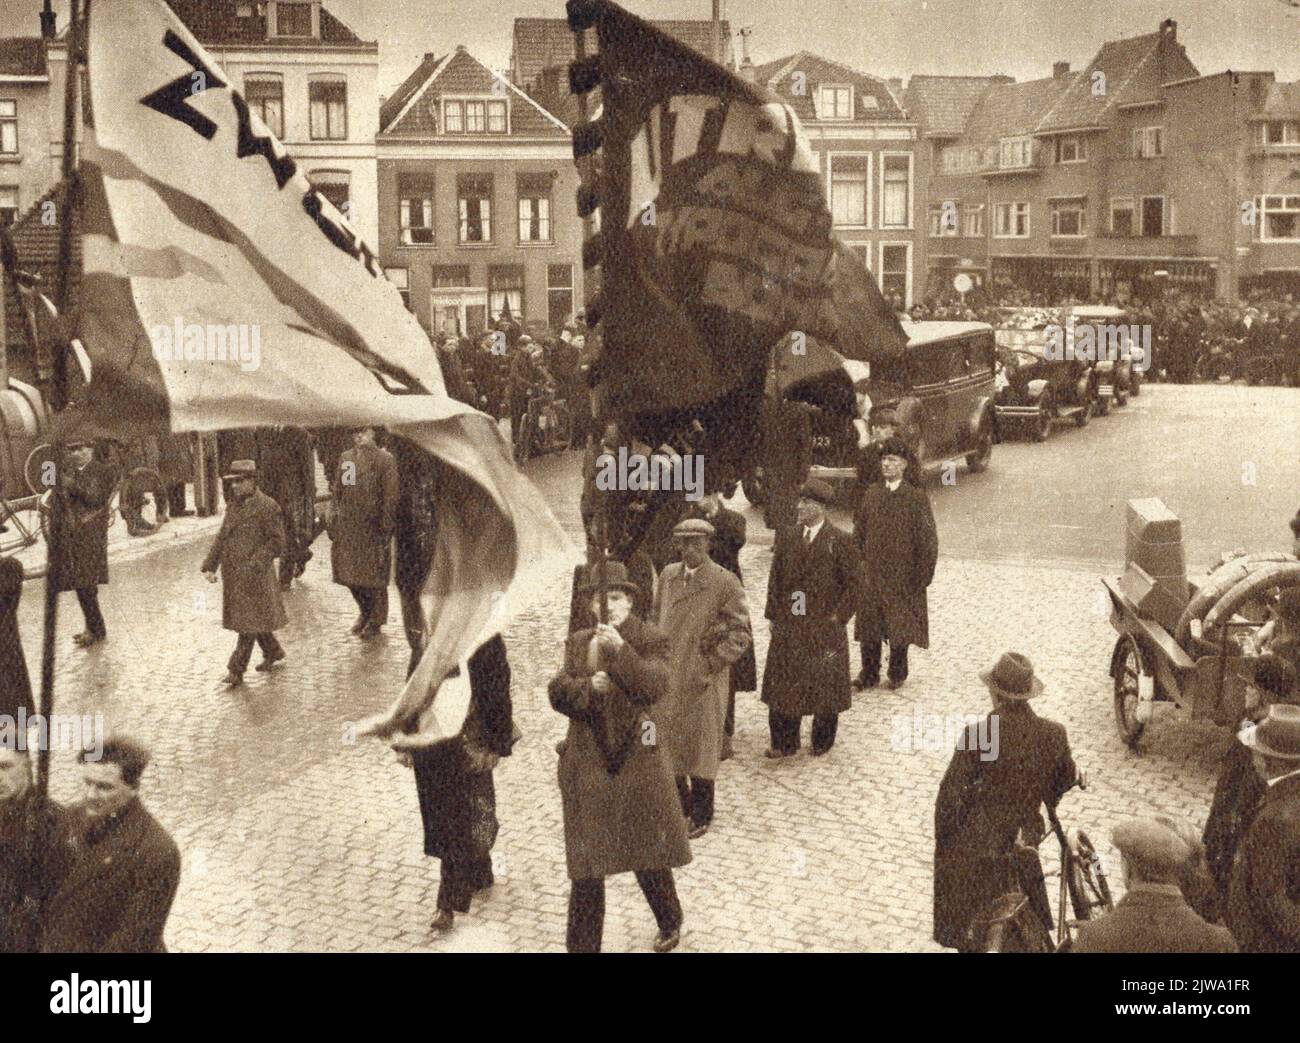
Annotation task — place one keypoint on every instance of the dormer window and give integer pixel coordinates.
(297, 18)
(835, 102)
(475, 116)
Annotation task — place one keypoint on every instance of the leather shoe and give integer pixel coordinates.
(817, 751)
(727, 752)
(893, 685)
(233, 679)
(269, 662)
(359, 625)
(444, 921)
(862, 683)
(667, 941)
(369, 633)
(695, 832)
(775, 755)
(86, 639)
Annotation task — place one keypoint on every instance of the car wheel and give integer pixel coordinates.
(1043, 422)
(979, 460)
(1082, 417)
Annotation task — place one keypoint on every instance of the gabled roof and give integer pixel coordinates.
(216, 23)
(1012, 109)
(22, 56)
(943, 104)
(1134, 70)
(408, 114)
(873, 99)
(544, 43)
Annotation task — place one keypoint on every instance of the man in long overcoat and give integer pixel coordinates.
(701, 607)
(176, 468)
(811, 592)
(83, 565)
(366, 491)
(286, 465)
(1263, 909)
(118, 893)
(991, 790)
(621, 809)
(895, 533)
(250, 539)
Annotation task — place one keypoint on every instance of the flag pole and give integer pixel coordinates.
(52, 356)
(602, 496)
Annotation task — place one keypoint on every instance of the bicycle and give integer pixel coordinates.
(1009, 923)
(546, 424)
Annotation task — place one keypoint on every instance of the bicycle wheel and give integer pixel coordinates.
(1085, 881)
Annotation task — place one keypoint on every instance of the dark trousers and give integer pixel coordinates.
(871, 652)
(587, 907)
(244, 649)
(785, 731)
(461, 881)
(88, 597)
(176, 498)
(373, 602)
(697, 799)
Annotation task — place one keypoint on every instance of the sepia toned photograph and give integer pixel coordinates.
(668, 476)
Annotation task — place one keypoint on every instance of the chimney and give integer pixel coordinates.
(1060, 69)
(1169, 28)
(47, 21)
(747, 71)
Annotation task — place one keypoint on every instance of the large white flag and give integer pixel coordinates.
(221, 290)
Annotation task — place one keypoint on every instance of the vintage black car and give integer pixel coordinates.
(1034, 387)
(1117, 345)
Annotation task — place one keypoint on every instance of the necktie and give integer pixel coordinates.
(807, 535)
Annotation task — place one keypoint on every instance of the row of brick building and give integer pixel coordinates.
(1127, 177)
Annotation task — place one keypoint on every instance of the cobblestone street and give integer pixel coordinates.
(296, 838)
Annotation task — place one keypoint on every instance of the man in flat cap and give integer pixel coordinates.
(811, 591)
(701, 607)
(1153, 916)
(883, 426)
(896, 537)
(250, 539)
(990, 792)
(1263, 910)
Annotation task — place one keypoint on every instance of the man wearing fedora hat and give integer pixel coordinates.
(983, 804)
(250, 539)
(701, 607)
(1263, 909)
(811, 591)
(1153, 916)
(621, 809)
(895, 533)
(83, 564)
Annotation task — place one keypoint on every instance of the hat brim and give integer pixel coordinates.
(626, 587)
(1269, 751)
(239, 474)
(1035, 687)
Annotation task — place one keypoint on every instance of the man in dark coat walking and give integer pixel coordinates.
(992, 790)
(118, 894)
(366, 491)
(286, 472)
(1263, 910)
(176, 468)
(15, 683)
(453, 781)
(83, 562)
(35, 851)
(415, 535)
(250, 539)
(895, 533)
(810, 596)
(620, 804)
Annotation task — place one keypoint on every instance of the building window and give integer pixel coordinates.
(415, 208)
(334, 186)
(534, 193)
(8, 205)
(1011, 220)
(836, 103)
(1121, 217)
(453, 117)
(475, 117)
(292, 19)
(1069, 218)
(559, 295)
(449, 276)
(474, 197)
(8, 127)
(972, 221)
(1071, 149)
(264, 92)
(1148, 142)
(497, 117)
(896, 192)
(506, 291)
(943, 219)
(1015, 152)
(329, 109)
(400, 278)
(1280, 132)
(850, 194)
(1279, 218)
(895, 260)
(1153, 216)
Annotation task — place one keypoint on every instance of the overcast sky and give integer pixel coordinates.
(884, 37)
